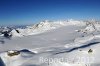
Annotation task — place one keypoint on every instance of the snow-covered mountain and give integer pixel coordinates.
(39, 28)
(52, 43)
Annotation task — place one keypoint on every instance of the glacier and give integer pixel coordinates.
(51, 43)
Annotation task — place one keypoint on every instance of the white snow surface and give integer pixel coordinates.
(43, 27)
(59, 43)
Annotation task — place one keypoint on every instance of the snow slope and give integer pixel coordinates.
(62, 43)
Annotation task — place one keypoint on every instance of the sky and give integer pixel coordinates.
(17, 12)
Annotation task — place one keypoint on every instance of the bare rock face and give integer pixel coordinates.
(13, 53)
(90, 51)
